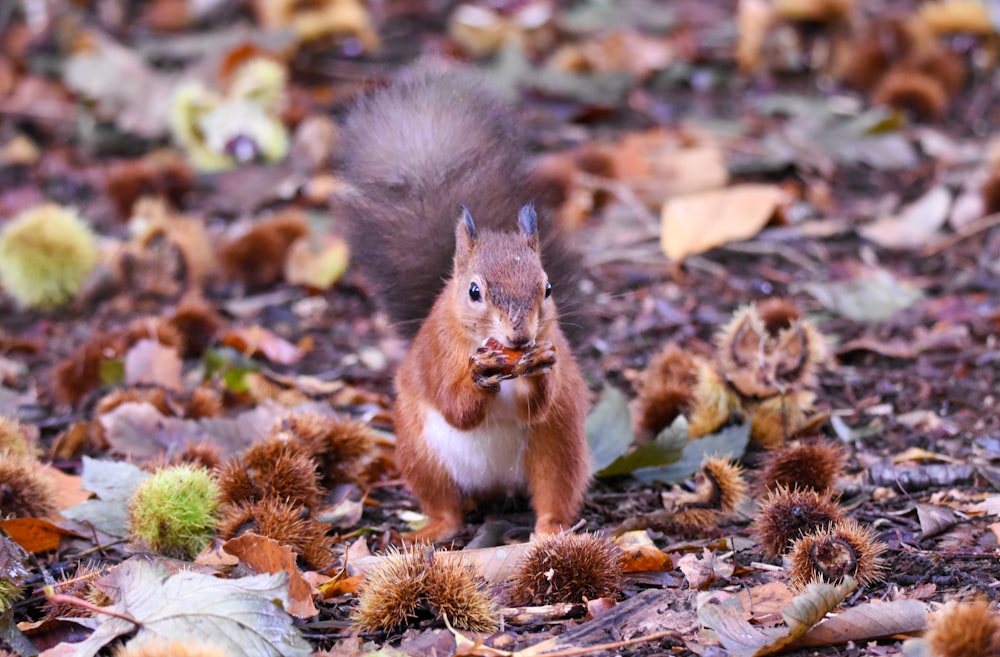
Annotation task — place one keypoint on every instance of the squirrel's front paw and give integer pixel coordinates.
(490, 367)
(538, 359)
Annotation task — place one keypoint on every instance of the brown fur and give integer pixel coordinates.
(413, 154)
(436, 374)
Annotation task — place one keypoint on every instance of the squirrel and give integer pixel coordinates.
(440, 218)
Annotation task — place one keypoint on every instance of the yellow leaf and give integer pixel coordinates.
(696, 223)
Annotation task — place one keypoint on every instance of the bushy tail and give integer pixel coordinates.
(412, 154)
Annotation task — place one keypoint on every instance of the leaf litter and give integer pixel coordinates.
(881, 227)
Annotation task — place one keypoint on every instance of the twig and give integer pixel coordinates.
(978, 226)
(613, 646)
(83, 604)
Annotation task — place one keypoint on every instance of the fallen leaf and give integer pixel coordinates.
(763, 603)
(69, 488)
(640, 554)
(609, 428)
(316, 261)
(244, 616)
(113, 482)
(741, 639)
(731, 440)
(935, 519)
(265, 555)
(258, 340)
(917, 223)
(875, 295)
(35, 534)
(702, 572)
(151, 363)
(696, 223)
(666, 448)
(867, 622)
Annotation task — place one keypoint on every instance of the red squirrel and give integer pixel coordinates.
(440, 217)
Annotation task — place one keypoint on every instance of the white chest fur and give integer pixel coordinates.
(489, 457)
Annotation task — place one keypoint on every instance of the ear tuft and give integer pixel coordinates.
(527, 219)
(470, 225)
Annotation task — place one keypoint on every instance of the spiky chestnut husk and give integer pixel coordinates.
(203, 402)
(965, 629)
(340, 446)
(666, 389)
(764, 358)
(912, 91)
(567, 568)
(414, 583)
(14, 441)
(175, 511)
(197, 322)
(45, 254)
(944, 66)
(814, 12)
(9, 594)
(813, 465)
(716, 404)
(776, 419)
(79, 585)
(789, 513)
(991, 192)
(162, 173)
(204, 454)
(721, 484)
(257, 257)
(272, 468)
(283, 521)
(828, 554)
(26, 489)
(80, 373)
(164, 648)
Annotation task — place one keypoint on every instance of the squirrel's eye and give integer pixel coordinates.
(474, 292)
(548, 289)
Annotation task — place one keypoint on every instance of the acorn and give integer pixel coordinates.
(567, 568)
(175, 511)
(45, 254)
(830, 553)
(787, 514)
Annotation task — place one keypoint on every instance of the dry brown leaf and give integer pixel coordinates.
(701, 573)
(639, 554)
(69, 488)
(265, 555)
(915, 225)
(151, 363)
(699, 222)
(256, 339)
(35, 534)
(866, 622)
(765, 602)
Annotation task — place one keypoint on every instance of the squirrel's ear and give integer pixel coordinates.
(465, 232)
(527, 219)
